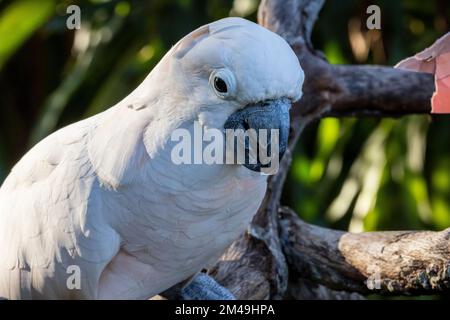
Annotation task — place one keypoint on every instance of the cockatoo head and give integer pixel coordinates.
(229, 74)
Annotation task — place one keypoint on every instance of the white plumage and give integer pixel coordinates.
(103, 194)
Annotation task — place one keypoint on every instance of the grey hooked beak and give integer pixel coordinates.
(269, 115)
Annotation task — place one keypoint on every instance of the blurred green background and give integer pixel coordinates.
(351, 174)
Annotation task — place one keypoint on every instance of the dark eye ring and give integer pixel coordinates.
(220, 85)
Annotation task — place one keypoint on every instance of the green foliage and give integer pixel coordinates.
(18, 21)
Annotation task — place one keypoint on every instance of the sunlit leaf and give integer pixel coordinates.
(441, 213)
(328, 135)
(334, 53)
(18, 22)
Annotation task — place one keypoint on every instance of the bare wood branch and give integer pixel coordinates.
(400, 262)
(245, 269)
(291, 19)
(383, 91)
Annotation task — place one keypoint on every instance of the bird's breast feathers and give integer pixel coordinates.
(55, 211)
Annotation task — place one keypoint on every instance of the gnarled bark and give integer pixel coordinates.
(400, 262)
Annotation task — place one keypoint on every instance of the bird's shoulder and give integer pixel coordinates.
(41, 161)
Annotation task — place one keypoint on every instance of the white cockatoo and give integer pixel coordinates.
(102, 198)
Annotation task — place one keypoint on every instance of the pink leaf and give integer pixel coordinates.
(435, 60)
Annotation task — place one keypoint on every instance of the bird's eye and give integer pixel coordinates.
(220, 85)
(223, 83)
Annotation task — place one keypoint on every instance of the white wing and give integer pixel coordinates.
(51, 218)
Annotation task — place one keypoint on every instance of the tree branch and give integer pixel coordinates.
(381, 91)
(394, 262)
